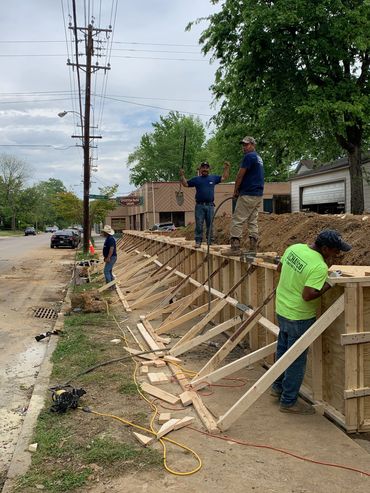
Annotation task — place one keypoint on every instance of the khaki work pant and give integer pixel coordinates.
(246, 211)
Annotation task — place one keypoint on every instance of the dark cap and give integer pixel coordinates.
(332, 239)
(204, 164)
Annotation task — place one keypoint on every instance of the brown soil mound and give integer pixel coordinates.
(279, 231)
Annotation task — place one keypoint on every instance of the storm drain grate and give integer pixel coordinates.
(43, 312)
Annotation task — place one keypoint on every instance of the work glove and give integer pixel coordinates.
(333, 275)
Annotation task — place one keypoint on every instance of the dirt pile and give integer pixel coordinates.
(88, 302)
(278, 231)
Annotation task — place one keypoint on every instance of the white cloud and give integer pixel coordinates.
(29, 84)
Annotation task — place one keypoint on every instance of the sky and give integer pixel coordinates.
(155, 67)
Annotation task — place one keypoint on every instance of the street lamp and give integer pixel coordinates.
(62, 114)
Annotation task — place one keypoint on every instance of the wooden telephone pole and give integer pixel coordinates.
(88, 68)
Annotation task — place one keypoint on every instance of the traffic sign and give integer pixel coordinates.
(102, 197)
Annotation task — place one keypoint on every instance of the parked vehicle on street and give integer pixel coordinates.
(163, 227)
(64, 238)
(51, 229)
(29, 231)
(77, 232)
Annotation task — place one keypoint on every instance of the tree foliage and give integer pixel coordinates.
(295, 74)
(159, 155)
(99, 208)
(68, 207)
(14, 174)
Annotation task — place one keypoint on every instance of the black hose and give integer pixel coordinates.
(208, 256)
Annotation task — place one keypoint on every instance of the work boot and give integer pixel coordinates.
(197, 245)
(252, 245)
(297, 408)
(234, 250)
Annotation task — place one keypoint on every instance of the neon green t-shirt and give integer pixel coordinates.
(301, 266)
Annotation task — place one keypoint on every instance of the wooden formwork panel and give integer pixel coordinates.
(338, 375)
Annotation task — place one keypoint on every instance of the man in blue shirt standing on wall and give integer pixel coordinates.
(248, 191)
(204, 184)
(109, 253)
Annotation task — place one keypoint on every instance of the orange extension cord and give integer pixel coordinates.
(282, 451)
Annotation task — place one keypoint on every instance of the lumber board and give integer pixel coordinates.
(163, 418)
(355, 338)
(159, 393)
(216, 308)
(150, 299)
(350, 394)
(233, 367)
(215, 331)
(108, 285)
(148, 338)
(167, 427)
(136, 268)
(167, 326)
(136, 352)
(202, 411)
(350, 356)
(186, 398)
(123, 300)
(186, 421)
(143, 439)
(281, 365)
(159, 310)
(158, 378)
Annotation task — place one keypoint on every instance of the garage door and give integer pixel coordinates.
(326, 193)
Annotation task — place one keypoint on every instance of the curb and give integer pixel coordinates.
(21, 459)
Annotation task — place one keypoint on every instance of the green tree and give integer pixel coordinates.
(159, 155)
(14, 174)
(297, 75)
(99, 208)
(39, 203)
(68, 207)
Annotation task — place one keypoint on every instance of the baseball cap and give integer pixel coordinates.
(248, 140)
(332, 239)
(205, 164)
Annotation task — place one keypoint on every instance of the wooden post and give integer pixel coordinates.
(350, 355)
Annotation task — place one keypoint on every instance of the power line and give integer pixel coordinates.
(44, 55)
(157, 107)
(114, 42)
(111, 95)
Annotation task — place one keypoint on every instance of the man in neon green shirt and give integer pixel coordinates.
(303, 279)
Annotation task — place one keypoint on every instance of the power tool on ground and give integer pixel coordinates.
(65, 397)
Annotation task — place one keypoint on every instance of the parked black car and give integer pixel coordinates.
(29, 231)
(64, 238)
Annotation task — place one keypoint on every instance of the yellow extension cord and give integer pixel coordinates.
(152, 431)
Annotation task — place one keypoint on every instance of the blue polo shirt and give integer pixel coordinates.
(109, 242)
(205, 187)
(253, 180)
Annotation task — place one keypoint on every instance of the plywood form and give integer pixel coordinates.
(329, 371)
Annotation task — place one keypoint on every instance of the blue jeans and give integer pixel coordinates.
(108, 268)
(288, 384)
(203, 213)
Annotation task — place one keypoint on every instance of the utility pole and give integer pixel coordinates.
(89, 68)
(86, 208)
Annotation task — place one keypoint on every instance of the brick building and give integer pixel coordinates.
(156, 202)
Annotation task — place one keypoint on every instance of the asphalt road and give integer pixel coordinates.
(14, 248)
(32, 275)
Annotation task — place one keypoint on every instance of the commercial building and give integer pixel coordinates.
(159, 202)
